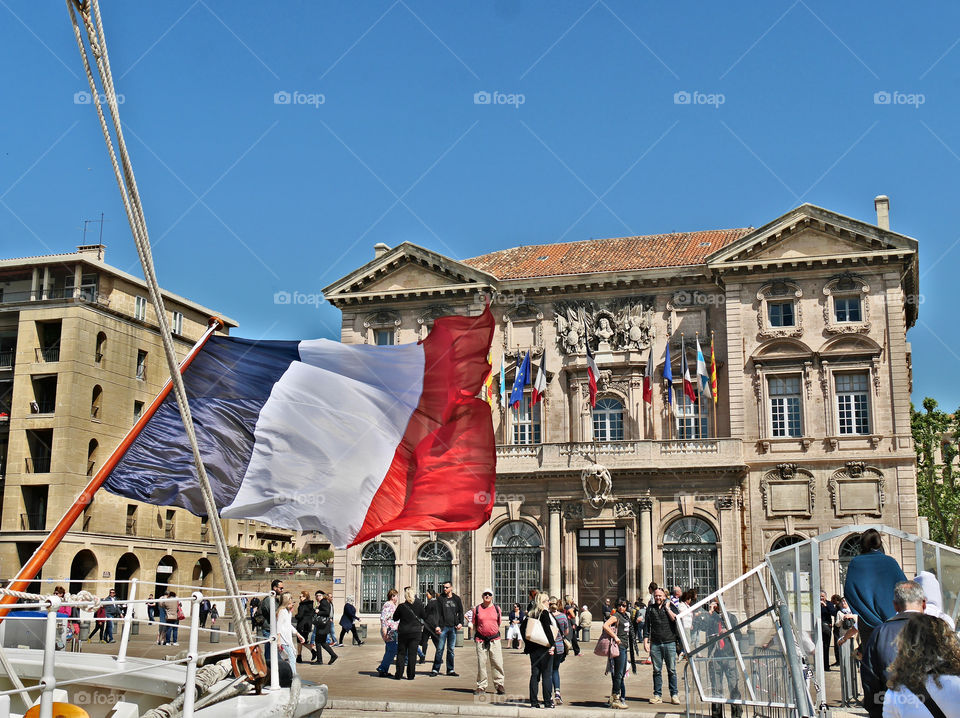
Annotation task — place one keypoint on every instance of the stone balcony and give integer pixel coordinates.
(695, 455)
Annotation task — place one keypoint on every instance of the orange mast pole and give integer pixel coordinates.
(32, 567)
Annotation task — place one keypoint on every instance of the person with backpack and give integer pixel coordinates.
(486, 632)
(204, 612)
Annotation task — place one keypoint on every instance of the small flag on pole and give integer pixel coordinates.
(522, 379)
(540, 385)
(503, 381)
(487, 392)
(592, 373)
(685, 370)
(648, 378)
(702, 375)
(668, 375)
(713, 371)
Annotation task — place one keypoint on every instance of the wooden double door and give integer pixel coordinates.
(600, 575)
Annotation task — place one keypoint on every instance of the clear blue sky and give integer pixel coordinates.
(245, 197)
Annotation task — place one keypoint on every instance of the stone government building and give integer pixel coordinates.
(809, 315)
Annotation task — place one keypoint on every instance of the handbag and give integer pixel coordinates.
(606, 647)
(180, 615)
(535, 634)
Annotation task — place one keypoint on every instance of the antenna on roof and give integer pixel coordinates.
(93, 221)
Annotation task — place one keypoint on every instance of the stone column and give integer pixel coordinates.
(555, 549)
(34, 284)
(77, 280)
(46, 282)
(645, 542)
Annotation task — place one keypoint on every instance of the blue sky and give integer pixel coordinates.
(245, 195)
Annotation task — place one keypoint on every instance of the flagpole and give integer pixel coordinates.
(32, 567)
(683, 382)
(713, 389)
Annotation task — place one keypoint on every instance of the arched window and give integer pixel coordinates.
(434, 567)
(96, 399)
(848, 549)
(690, 555)
(101, 347)
(608, 420)
(517, 558)
(785, 541)
(92, 456)
(378, 565)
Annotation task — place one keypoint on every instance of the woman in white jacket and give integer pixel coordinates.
(925, 675)
(286, 632)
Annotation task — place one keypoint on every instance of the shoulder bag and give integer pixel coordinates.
(535, 633)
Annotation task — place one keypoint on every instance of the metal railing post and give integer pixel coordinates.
(48, 678)
(127, 621)
(190, 685)
(274, 647)
(801, 698)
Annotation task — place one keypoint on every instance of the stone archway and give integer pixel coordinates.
(83, 572)
(202, 573)
(128, 568)
(166, 574)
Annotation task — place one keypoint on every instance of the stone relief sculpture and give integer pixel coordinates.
(618, 324)
(597, 485)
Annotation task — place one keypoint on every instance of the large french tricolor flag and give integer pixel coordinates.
(350, 440)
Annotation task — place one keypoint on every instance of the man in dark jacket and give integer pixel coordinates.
(303, 622)
(881, 649)
(660, 640)
(261, 619)
(430, 622)
(451, 621)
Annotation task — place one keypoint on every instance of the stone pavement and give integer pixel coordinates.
(356, 690)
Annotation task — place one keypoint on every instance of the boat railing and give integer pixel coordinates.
(51, 604)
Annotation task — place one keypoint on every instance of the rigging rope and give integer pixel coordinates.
(89, 14)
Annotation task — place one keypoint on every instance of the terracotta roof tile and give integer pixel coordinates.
(606, 255)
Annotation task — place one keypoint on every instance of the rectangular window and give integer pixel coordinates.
(44, 395)
(137, 410)
(780, 314)
(590, 538)
(141, 365)
(140, 308)
(34, 517)
(40, 445)
(853, 405)
(613, 538)
(177, 327)
(526, 422)
(785, 406)
(847, 309)
(383, 337)
(693, 420)
(170, 525)
(131, 519)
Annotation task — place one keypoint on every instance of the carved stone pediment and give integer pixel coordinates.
(857, 489)
(523, 330)
(617, 324)
(788, 490)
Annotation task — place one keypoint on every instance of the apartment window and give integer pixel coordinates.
(101, 347)
(781, 314)
(131, 519)
(847, 309)
(92, 456)
(169, 529)
(177, 327)
(608, 420)
(526, 422)
(204, 528)
(141, 365)
(34, 516)
(140, 308)
(137, 410)
(49, 335)
(383, 337)
(785, 417)
(40, 445)
(95, 401)
(44, 395)
(853, 403)
(693, 417)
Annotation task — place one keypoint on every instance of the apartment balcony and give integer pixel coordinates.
(33, 521)
(6, 359)
(47, 354)
(722, 454)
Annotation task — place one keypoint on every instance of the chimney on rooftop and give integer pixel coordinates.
(380, 249)
(882, 204)
(96, 250)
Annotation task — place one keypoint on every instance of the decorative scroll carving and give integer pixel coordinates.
(857, 489)
(428, 315)
(597, 485)
(725, 503)
(554, 506)
(383, 319)
(618, 324)
(807, 377)
(525, 314)
(788, 490)
(573, 510)
(625, 510)
(779, 289)
(645, 504)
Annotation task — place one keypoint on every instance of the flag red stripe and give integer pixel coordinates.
(443, 473)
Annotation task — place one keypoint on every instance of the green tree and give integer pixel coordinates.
(937, 493)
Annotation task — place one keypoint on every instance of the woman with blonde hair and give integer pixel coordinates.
(539, 630)
(924, 678)
(286, 631)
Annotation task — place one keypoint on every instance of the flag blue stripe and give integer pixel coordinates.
(227, 385)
